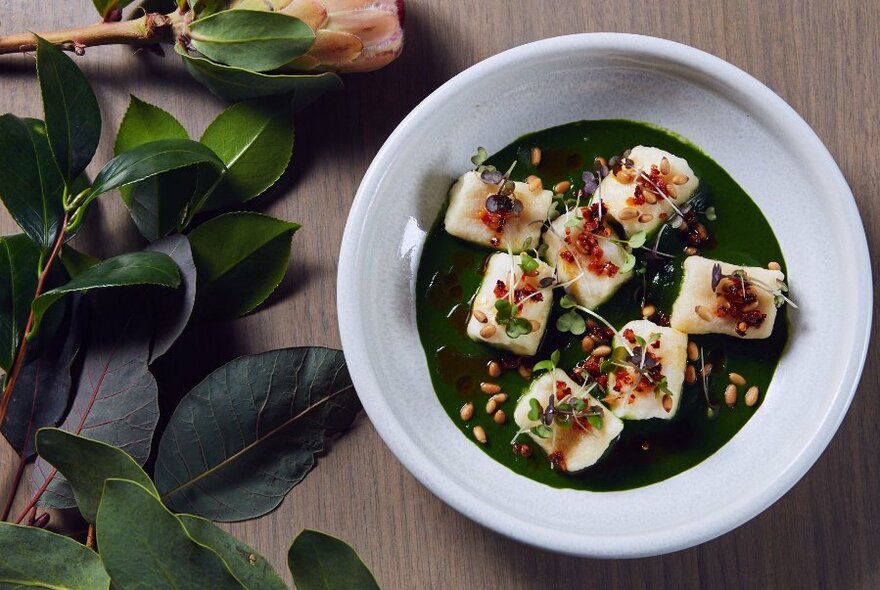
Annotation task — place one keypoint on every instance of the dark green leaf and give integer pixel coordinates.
(535, 410)
(104, 7)
(255, 141)
(115, 396)
(255, 40)
(240, 260)
(87, 464)
(595, 421)
(19, 260)
(144, 546)
(73, 119)
(321, 562)
(156, 204)
(31, 186)
(249, 567)
(567, 301)
(571, 321)
(241, 439)
(517, 327)
(36, 558)
(527, 263)
(234, 84)
(42, 390)
(134, 268)
(173, 308)
(149, 160)
(76, 262)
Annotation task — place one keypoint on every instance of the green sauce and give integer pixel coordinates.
(648, 451)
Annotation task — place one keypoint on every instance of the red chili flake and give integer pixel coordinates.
(500, 289)
(557, 461)
(736, 295)
(629, 335)
(562, 390)
(566, 256)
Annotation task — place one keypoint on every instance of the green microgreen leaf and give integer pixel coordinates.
(535, 410)
(541, 431)
(574, 221)
(637, 240)
(629, 262)
(527, 243)
(710, 214)
(571, 321)
(578, 404)
(481, 156)
(504, 311)
(641, 341)
(596, 421)
(527, 263)
(517, 327)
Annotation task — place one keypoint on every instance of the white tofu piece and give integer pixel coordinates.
(630, 403)
(573, 448)
(696, 290)
(595, 285)
(618, 196)
(467, 218)
(535, 309)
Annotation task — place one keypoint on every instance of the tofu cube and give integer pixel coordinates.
(533, 304)
(635, 396)
(467, 217)
(700, 309)
(576, 446)
(637, 213)
(573, 252)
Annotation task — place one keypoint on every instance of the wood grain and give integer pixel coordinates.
(823, 58)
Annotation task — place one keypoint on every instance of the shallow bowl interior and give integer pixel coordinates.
(749, 131)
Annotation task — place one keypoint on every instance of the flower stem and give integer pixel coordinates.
(150, 29)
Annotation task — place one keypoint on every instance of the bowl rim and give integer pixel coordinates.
(481, 510)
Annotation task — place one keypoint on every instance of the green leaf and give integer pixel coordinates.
(481, 156)
(156, 204)
(637, 240)
(248, 566)
(535, 410)
(173, 307)
(571, 321)
(144, 546)
(629, 262)
(517, 327)
(574, 222)
(255, 40)
(31, 186)
(527, 263)
(104, 7)
(234, 84)
(36, 558)
(321, 562)
(541, 431)
(19, 259)
(150, 159)
(544, 365)
(240, 260)
(241, 439)
(115, 397)
(504, 311)
(134, 268)
(87, 464)
(255, 141)
(73, 119)
(76, 262)
(595, 421)
(43, 388)
(568, 301)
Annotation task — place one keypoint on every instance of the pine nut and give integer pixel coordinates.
(500, 417)
(752, 396)
(587, 344)
(601, 351)
(491, 406)
(650, 198)
(489, 387)
(664, 166)
(730, 395)
(704, 313)
(691, 251)
(690, 375)
(500, 397)
(534, 183)
(648, 311)
(561, 187)
(628, 213)
(645, 218)
(680, 179)
(774, 266)
(535, 156)
(707, 368)
(494, 369)
(737, 379)
(524, 372)
(536, 325)
(480, 316)
(488, 331)
(480, 434)
(693, 351)
(467, 411)
(667, 402)
(672, 191)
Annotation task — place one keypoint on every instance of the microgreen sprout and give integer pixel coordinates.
(710, 214)
(778, 293)
(711, 409)
(569, 302)
(507, 315)
(548, 365)
(527, 263)
(481, 156)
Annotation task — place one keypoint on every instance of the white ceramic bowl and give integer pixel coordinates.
(749, 131)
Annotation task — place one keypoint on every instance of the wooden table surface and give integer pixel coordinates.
(823, 58)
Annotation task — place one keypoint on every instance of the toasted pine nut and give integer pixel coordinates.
(650, 198)
(587, 344)
(561, 187)
(752, 396)
(494, 369)
(628, 213)
(690, 375)
(480, 434)
(480, 316)
(535, 156)
(680, 179)
(645, 218)
(704, 313)
(672, 191)
(730, 395)
(664, 166)
(467, 411)
(500, 397)
(774, 266)
(691, 251)
(667, 402)
(500, 417)
(534, 183)
(536, 325)
(491, 406)
(601, 351)
(488, 331)
(693, 351)
(489, 387)
(707, 368)
(737, 379)
(524, 372)
(648, 311)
